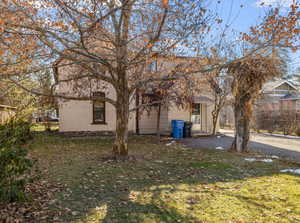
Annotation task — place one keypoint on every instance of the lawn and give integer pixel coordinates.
(161, 184)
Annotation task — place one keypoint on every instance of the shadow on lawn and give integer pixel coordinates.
(154, 182)
(121, 208)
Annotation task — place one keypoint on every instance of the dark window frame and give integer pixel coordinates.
(104, 109)
(198, 110)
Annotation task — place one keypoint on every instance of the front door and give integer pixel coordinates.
(196, 116)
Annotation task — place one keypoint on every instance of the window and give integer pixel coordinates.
(196, 109)
(196, 113)
(98, 109)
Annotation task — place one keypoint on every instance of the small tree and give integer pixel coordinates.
(220, 85)
(249, 75)
(178, 93)
(280, 30)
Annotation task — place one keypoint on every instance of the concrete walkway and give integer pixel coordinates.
(270, 145)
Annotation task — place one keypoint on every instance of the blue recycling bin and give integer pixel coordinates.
(177, 129)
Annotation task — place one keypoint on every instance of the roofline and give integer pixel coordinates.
(285, 81)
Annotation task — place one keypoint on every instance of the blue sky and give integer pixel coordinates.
(251, 13)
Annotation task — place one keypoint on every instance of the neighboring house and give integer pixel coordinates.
(89, 116)
(278, 96)
(278, 107)
(6, 112)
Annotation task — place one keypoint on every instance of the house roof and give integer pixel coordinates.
(270, 86)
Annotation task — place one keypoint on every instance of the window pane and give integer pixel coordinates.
(196, 109)
(98, 114)
(99, 108)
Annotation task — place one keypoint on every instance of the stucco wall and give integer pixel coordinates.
(148, 121)
(176, 113)
(77, 115)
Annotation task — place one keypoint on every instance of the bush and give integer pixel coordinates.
(14, 164)
(15, 132)
(13, 169)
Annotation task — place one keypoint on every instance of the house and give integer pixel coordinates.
(88, 116)
(278, 107)
(6, 112)
(278, 95)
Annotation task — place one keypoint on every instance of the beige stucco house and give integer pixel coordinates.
(88, 116)
(91, 116)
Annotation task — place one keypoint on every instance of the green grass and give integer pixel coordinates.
(164, 184)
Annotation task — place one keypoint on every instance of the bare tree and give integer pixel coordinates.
(220, 85)
(105, 42)
(249, 76)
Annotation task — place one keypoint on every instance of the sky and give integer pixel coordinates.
(242, 14)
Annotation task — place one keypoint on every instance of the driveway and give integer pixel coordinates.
(270, 145)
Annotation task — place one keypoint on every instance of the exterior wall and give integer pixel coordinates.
(184, 114)
(148, 121)
(77, 115)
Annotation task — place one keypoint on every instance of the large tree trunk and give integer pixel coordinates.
(120, 147)
(242, 114)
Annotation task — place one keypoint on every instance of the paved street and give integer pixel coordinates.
(271, 145)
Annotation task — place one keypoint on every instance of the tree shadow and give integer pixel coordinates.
(119, 186)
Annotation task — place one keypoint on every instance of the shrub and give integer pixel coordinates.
(14, 164)
(15, 132)
(13, 169)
